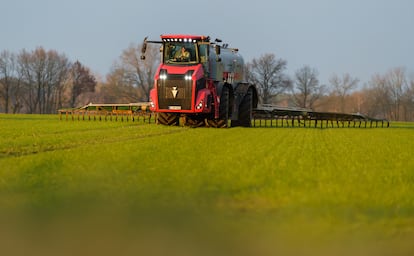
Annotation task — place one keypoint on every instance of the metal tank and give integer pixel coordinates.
(228, 66)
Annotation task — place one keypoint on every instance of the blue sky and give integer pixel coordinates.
(359, 37)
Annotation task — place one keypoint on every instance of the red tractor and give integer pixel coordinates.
(200, 83)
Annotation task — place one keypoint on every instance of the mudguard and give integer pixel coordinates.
(203, 101)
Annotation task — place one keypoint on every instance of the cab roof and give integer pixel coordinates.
(183, 37)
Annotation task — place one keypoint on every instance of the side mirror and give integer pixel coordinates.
(144, 48)
(144, 45)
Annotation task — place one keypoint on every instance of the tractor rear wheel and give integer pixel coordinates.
(167, 119)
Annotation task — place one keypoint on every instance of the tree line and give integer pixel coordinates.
(389, 95)
(43, 81)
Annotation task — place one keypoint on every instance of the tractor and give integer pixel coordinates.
(200, 83)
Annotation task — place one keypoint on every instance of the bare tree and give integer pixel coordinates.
(307, 89)
(397, 84)
(267, 74)
(377, 100)
(82, 81)
(117, 89)
(58, 71)
(44, 73)
(342, 87)
(9, 82)
(132, 72)
(24, 60)
(409, 102)
(389, 94)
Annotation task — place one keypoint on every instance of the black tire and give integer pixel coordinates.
(195, 122)
(245, 111)
(216, 123)
(167, 119)
(223, 119)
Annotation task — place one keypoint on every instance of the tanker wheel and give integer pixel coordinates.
(245, 111)
(168, 119)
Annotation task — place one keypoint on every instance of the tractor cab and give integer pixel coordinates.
(180, 53)
(185, 50)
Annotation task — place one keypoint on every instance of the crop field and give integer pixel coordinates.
(129, 188)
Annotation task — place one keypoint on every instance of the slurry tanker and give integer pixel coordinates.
(201, 83)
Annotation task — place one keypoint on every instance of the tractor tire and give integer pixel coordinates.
(223, 119)
(194, 122)
(245, 111)
(167, 119)
(216, 123)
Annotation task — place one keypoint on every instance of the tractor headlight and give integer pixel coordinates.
(163, 74)
(151, 103)
(200, 105)
(188, 75)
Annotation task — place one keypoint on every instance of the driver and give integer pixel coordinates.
(183, 54)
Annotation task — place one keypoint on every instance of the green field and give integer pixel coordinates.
(128, 188)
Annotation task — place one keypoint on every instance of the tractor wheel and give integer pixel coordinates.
(167, 119)
(194, 122)
(216, 123)
(245, 111)
(223, 119)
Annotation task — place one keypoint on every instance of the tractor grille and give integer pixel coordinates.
(175, 93)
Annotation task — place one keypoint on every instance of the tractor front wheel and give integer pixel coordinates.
(167, 119)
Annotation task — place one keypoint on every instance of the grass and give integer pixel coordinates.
(132, 188)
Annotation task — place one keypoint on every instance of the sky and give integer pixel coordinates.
(359, 37)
